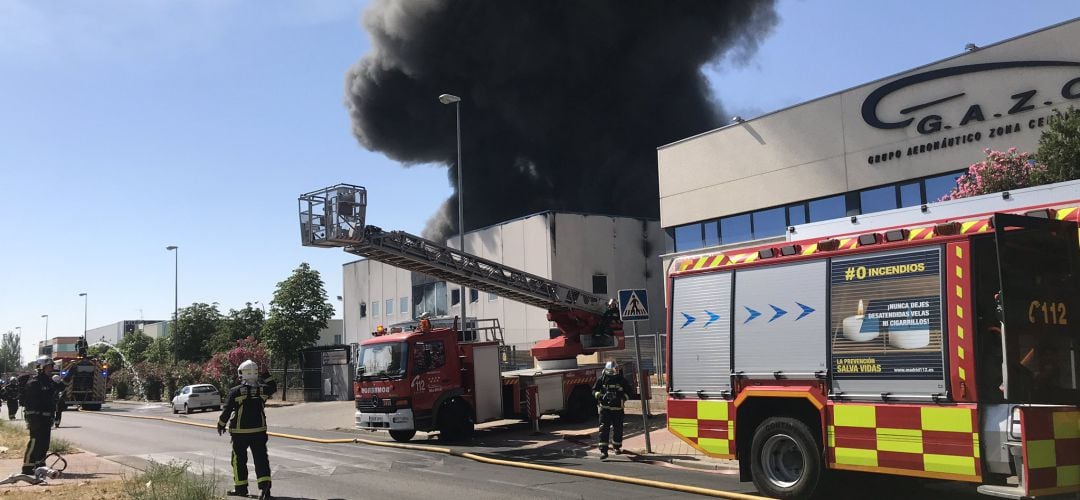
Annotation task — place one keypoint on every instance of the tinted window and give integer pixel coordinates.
(735, 229)
(363, 310)
(910, 195)
(474, 295)
(878, 199)
(688, 237)
(712, 233)
(796, 214)
(455, 296)
(827, 208)
(769, 223)
(203, 389)
(936, 187)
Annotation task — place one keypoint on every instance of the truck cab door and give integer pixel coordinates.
(1039, 308)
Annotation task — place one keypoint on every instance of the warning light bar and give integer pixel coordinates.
(869, 239)
(896, 235)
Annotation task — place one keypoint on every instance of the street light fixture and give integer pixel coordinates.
(85, 301)
(456, 101)
(176, 295)
(46, 316)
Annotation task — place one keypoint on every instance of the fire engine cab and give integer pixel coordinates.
(938, 342)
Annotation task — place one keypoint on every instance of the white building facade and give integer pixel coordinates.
(598, 254)
(896, 142)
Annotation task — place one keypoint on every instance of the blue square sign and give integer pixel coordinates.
(633, 305)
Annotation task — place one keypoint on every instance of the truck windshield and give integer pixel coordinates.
(382, 361)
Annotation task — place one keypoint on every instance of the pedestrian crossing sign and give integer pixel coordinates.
(633, 305)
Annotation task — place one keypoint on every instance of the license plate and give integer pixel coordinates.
(375, 418)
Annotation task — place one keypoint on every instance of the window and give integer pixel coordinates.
(796, 214)
(492, 297)
(429, 356)
(827, 208)
(389, 307)
(337, 339)
(187, 390)
(363, 310)
(769, 222)
(455, 296)
(735, 229)
(204, 389)
(712, 233)
(599, 283)
(878, 199)
(937, 187)
(688, 237)
(430, 298)
(911, 194)
(375, 309)
(65, 348)
(403, 305)
(474, 295)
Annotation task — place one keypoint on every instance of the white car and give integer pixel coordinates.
(196, 397)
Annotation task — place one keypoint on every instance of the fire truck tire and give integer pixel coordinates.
(786, 460)
(403, 436)
(455, 420)
(580, 406)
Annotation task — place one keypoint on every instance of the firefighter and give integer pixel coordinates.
(245, 416)
(611, 390)
(61, 402)
(11, 396)
(38, 399)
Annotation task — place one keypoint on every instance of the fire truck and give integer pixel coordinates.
(448, 378)
(937, 342)
(85, 379)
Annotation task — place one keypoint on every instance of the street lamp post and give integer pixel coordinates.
(176, 297)
(46, 316)
(84, 308)
(456, 101)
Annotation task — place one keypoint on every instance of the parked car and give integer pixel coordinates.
(196, 397)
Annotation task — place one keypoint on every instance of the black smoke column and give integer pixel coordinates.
(563, 101)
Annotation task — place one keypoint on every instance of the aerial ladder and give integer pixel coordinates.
(588, 323)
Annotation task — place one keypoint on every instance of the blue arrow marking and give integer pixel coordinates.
(689, 319)
(753, 314)
(712, 317)
(779, 312)
(805, 310)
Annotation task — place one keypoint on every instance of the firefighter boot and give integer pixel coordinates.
(265, 494)
(239, 491)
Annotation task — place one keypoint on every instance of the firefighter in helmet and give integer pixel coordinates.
(611, 390)
(39, 402)
(11, 397)
(244, 416)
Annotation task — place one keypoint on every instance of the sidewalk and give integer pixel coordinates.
(82, 468)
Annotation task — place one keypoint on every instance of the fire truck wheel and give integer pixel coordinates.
(786, 461)
(455, 420)
(403, 436)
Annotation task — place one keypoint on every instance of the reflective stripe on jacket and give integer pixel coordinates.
(244, 410)
(614, 385)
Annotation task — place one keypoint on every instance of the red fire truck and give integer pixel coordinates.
(448, 378)
(938, 342)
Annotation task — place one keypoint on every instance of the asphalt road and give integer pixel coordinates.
(311, 470)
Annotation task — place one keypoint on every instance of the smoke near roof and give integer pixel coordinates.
(563, 101)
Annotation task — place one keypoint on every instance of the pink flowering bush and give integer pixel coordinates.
(1000, 171)
(222, 366)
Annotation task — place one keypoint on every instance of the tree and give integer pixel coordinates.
(10, 352)
(1000, 171)
(195, 327)
(222, 366)
(135, 346)
(160, 351)
(238, 325)
(106, 354)
(1059, 147)
(300, 309)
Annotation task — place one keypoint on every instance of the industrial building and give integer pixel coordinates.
(595, 253)
(114, 332)
(896, 142)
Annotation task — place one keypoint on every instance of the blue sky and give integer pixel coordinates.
(127, 126)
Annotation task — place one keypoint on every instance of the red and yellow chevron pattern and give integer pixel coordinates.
(707, 425)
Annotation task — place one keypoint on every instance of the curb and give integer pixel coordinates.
(488, 460)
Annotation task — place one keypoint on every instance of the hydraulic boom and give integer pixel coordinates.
(335, 217)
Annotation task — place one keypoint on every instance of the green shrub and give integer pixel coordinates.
(171, 481)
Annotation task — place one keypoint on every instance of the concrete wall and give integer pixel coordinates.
(827, 146)
(333, 327)
(366, 282)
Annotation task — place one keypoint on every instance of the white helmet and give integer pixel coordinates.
(248, 372)
(42, 361)
(609, 368)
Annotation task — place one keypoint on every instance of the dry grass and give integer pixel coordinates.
(108, 490)
(13, 436)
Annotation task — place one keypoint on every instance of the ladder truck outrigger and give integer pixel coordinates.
(446, 379)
